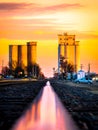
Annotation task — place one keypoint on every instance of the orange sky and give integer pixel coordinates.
(41, 21)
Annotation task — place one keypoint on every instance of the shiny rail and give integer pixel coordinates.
(46, 113)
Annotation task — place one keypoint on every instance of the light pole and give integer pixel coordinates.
(2, 65)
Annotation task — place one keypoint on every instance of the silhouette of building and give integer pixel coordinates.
(22, 55)
(69, 48)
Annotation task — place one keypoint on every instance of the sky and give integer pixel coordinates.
(42, 21)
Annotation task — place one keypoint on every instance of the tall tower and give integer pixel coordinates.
(19, 56)
(22, 56)
(31, 52)
(13, 56)
(69, 49)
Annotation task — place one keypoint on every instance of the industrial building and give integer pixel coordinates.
(31, 52)
(13, 56)
(69, 48)
(22, 55)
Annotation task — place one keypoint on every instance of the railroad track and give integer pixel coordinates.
(15, 97)
(81, 104)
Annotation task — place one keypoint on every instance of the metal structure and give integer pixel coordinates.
(69, 49)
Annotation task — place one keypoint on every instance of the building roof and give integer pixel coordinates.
(81, 71)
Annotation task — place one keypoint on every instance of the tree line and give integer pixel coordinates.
(32, 70)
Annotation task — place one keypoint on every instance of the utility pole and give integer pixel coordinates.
(33, 71)
(89, 70)
(2, 65)
(58, 59)
(81, 66)
(53, 71)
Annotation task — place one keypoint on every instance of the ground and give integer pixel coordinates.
(81, 100)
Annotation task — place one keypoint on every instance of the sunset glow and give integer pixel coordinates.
(41, 21)
(40, 116)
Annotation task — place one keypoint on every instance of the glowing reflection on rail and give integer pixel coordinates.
(46, 113)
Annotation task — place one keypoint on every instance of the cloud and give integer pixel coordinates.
(87, 35)
(37, 7)
(14, 6)
(62, 6)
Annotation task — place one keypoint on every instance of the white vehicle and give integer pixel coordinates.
(83, 80)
